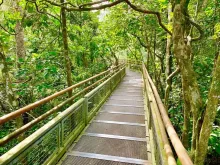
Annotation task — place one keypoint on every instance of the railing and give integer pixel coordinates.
(79, 89)
(134, 64)
(161, 129)
(50, 142)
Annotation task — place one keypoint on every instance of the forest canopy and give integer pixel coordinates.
(48, 45)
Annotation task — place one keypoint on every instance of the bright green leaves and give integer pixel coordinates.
(214, 145)
(217, 31)
(30, 9)
(209, 11)
(76, 28)
(163, 4)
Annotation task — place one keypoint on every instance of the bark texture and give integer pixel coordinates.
(65, 47)
(19, 38)
(209, 116)
(182, 52)
(168, 61)
(20, 54)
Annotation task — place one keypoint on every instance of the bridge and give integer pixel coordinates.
(114, 117)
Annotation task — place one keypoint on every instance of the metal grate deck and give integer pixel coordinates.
(112, 147)
(122, 109)
(117, 136)
(130, 97)
(71, 160)
(124, 101)
(121, 117)
(118, 129)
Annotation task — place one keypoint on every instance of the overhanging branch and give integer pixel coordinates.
(7, 30)
(198, 27)
(93, 3)
(85, 8)
(111, 4)
(139, 39)
(46, 13)
(149, 12)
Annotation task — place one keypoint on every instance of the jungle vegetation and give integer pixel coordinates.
(48, 45)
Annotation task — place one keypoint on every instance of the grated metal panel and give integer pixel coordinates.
(126, 87)
(126, 84)
(126, 93)
(117, 129)
(114, 137)
(131, 97)
(125, 102)
(40, 151)
(129, 89)
(71, 160)
(112, 147)
(121, 118)
(122, 109)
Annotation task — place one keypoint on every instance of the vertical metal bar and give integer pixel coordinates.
(61, 134)
(85, 110)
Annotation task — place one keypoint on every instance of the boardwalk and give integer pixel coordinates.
(117, 135)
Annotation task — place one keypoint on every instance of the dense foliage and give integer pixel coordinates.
(38, 59)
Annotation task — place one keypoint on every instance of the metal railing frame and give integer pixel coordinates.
(162, 128)
(62, 135)
(36, 104)
(27, 126)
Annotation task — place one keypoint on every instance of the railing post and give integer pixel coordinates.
(85, 110)
(60, 135)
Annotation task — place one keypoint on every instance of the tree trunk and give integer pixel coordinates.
(19, 38)
(168, 61)
(182, 52)
(186, 121)
(20, 54)
(65, 47)
(10, 96)
(209, 116)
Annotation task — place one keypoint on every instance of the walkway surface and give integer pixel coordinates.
(117, 135)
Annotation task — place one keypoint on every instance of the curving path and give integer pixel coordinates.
(117, 135)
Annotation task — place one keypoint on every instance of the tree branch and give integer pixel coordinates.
(198, 27)
(149, 12)
(139, 39)
(173, 74)
(93, 3)
(7, 30)
(46, 13)
(83, 8)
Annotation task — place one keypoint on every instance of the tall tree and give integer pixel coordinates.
(65, 46)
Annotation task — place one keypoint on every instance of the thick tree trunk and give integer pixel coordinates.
(19, 38)
(66, 48)
(209, 116)
(182, 52)
(186, 123)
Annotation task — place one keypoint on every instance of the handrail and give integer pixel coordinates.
(48, 144)
(27, 126)
(29, 107)
(177, 144)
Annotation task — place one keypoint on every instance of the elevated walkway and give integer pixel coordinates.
(118, 134)
(106, 125)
